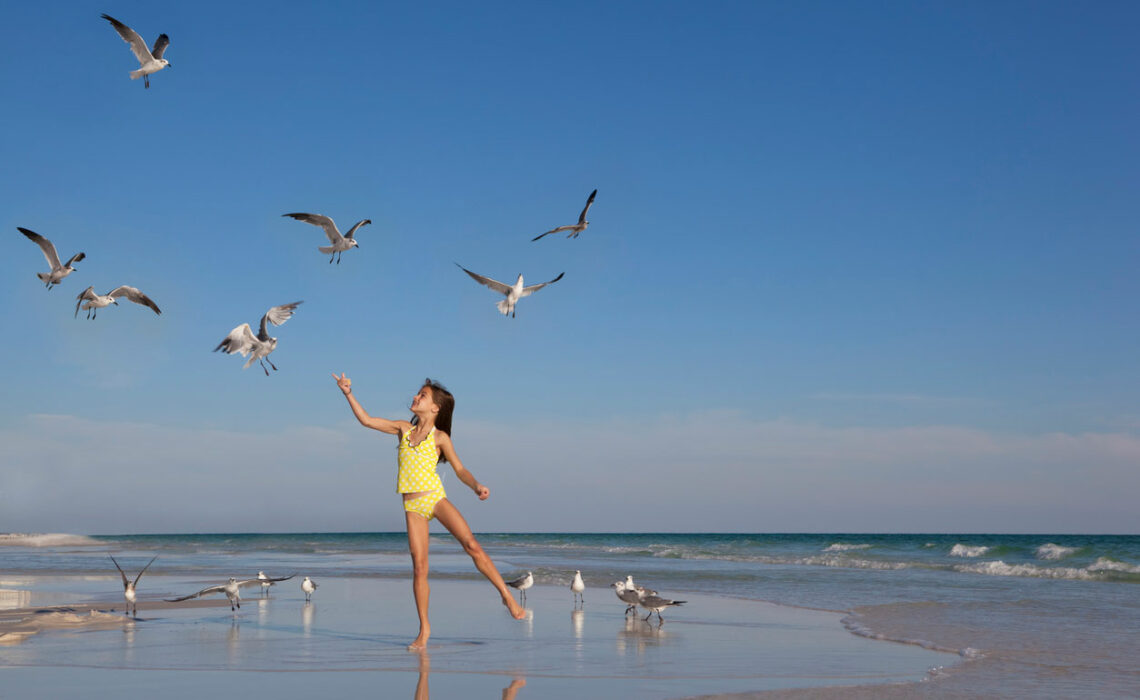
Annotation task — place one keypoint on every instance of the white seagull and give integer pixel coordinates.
(58, 270)
(574, 229)
(513, 293)
(339, 243)
(98, 301)
(578, 586)
(266, 582)
(232, 589)
(626, 595)
(640, 590)
(522, 583)
(308, 586)
(129, 586)
(258, 347)
(150, 60)
(655, 604)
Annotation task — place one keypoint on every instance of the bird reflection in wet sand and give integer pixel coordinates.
(638, 635)
(307, 618)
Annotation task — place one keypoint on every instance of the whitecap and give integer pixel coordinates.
(54, 539)
(1106, 564)
(965, 550)
(1053, 552)
(841, 547)
(1000, 568)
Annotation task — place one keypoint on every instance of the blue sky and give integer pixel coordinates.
(850, 267)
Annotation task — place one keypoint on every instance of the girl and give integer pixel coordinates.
(425, 441)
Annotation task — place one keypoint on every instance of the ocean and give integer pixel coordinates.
(1030, 615)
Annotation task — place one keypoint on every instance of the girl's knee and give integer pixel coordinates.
(471, 546)
(419, 566)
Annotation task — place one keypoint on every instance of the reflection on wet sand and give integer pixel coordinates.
(423, 689)
(639, 635)
(307, 619)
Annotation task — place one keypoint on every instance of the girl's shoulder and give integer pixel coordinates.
(403, 426)
(441, 436)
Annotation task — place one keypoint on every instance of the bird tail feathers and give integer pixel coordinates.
(327, 249)
(504, 307)
(136, 74)
(43, 276)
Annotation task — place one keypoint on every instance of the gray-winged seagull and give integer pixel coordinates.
(339, 243)
(522, 583)
(58, 270)
(129, 586)
(98, 301)
(257, 347)
(150, 60)
(574, 229)
(513, 293)
(308, 586)
(232, 589)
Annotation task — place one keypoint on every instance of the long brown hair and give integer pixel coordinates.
(446, 402)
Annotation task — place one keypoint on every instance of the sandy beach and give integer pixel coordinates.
(352, 638)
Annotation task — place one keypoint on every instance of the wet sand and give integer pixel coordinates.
(353, 637)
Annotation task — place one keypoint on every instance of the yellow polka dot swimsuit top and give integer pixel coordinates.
(417, 465)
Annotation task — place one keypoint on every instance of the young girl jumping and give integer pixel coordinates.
(425, 441)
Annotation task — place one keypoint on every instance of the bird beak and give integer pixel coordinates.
(115, 303)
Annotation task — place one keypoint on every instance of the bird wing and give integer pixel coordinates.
(355, 226)
(138, 46)
(134, 295)
(75, 258)
(240, 339)
(45, 245)
(144, 569)
(553, 230)
(527, 291)
(582, 216)
(120, 571)
(88, 293)
(267, 579)
(323, 221)
(160, 45)
(277, 315)
(199, 594)
(486, 281)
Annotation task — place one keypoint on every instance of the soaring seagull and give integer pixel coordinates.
(513, 293)
(98, 301)
(258, 347)
(58, 270)
(150, 60)
(339, 243)
(574, 229)
(129, 586)
(232, 589)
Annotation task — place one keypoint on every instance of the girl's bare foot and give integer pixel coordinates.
(514, 608)
(420, 642)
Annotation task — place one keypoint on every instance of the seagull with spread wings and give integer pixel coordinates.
(98, 301)
(150, 60)
(232, 589)
(574, 229)
(339, 243)
(513, 293)
(59, 270)
(257, 347)
(129, 586)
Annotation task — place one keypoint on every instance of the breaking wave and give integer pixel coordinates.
(965, 550)
(54, 539)
(841, 547)
(1052, 552)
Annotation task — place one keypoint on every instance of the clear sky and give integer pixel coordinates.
(851, 267)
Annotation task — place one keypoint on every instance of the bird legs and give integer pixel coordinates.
(263, 361)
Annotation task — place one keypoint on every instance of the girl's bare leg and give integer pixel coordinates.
(418, 546)
(451, 518)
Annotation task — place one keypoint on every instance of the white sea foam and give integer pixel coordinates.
(965, 550)
(841, 547)
(1053, 552)
(847, 562)
(1106, 564)
(54, 539)
(1000, 568)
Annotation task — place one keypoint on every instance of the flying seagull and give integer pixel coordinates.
(150, 60)
(308, 586)
(522, 583)
(578, 586)
(58, 270)
(513, 293)
(98, 301)
(339, 243)
(574, 229)
(258, 347)
(129, 586)
(232, 589)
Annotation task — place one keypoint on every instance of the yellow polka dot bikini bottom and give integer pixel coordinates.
(425, 504)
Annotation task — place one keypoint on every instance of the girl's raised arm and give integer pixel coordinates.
(444, 441)
(392, 427)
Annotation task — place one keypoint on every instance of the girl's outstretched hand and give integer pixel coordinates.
(482, 492)
(344, 383)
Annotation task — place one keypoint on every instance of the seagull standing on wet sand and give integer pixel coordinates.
(58, 270)
(308, 586)
(574, 229)
(513, 293)
(339, 243)
(578, 586)
(150, 60)
(258, 347)
(129, 586)
(522, 583)
(98, 301)
(265, 582)
(655, 604)
(627, 596)
(232, 589)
